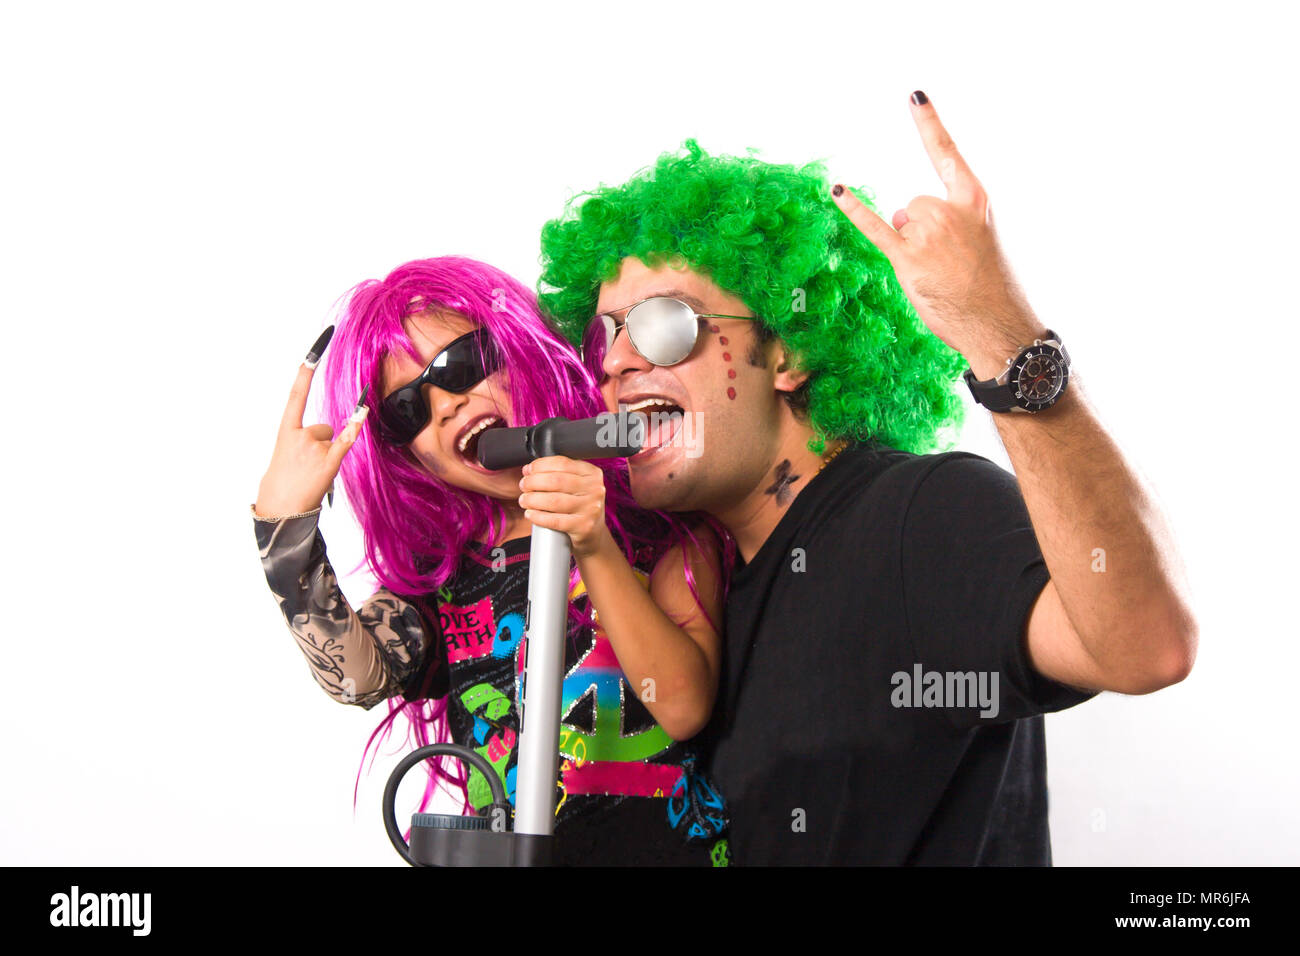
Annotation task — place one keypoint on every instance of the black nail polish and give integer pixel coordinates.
(919, 98)
(837, 190)
(318, 347)
(362, 400)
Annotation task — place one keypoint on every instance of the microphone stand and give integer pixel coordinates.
(445, 840)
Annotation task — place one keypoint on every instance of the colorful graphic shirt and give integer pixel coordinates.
(629, 793)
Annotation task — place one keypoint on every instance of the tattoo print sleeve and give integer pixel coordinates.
(358, 657)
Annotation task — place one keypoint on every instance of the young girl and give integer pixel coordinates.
(446, 349)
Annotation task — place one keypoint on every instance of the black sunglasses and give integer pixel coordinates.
(464, 363)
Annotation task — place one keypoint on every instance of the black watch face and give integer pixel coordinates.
(1038, 377)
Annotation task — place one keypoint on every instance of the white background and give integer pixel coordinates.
(186, 191)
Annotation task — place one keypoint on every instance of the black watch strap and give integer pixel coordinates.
(993, 395)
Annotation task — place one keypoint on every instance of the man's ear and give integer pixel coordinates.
(788, 374)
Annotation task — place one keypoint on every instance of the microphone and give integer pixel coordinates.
(608, 435)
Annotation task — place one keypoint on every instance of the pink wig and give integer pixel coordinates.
(415, 526)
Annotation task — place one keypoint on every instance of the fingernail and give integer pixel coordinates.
(318, 348)
(919, 98)
(837, 190)
(362, 410)
(330, 496)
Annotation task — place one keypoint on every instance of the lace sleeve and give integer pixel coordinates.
(358, 657)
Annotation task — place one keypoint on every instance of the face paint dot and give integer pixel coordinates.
(731, 394)
(726, 356)
(713, 328)
(722, 339)
(731, 373)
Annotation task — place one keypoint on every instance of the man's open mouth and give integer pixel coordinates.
(663, 421)
(467, 438)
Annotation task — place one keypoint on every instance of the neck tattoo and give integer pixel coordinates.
(784, 478)
(781, 486)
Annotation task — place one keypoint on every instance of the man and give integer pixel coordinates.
(898, 620)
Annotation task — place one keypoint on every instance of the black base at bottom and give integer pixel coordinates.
(437, 846)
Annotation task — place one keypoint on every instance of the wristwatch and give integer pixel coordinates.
(1035, 377)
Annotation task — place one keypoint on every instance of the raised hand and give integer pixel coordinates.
(306, 460)
(946, 256)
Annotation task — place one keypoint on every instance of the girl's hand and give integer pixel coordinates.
(306, 460)
(569, 496)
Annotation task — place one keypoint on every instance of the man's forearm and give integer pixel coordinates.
(1106, 544)
(1129, 626)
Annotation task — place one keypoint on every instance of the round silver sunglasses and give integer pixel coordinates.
(663, 330)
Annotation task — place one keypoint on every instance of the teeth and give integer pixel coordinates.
(485, 423)
(647, 403)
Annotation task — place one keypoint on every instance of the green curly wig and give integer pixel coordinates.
(770, 235)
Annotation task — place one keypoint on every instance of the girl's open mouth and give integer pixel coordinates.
(467, 439)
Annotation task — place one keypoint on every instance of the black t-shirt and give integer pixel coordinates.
(626, 797)
(877, 702)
